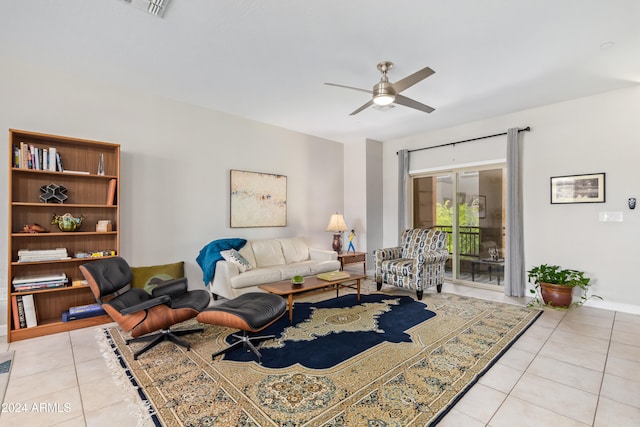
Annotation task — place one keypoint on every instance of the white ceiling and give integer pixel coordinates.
(267, 60)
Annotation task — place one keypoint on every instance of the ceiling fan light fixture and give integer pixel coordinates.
(384, 99)
(383, 93)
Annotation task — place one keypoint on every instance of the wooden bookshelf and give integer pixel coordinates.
(87, 195)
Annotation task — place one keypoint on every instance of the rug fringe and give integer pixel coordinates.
(139, 407)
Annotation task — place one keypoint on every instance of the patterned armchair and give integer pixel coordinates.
(417, 264)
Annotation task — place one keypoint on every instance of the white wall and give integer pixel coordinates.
(363, 196)
(588, 135)
(355, 202)
(175, 162)
(374, 199)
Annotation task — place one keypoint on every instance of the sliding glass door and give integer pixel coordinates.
(469, 204)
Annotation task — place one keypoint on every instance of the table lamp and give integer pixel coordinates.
(337, 226)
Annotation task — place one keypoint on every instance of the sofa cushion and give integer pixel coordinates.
(234, 257)
(258, 276)
(295, 269)
(294, 249)
(324, 267)
(267, 252)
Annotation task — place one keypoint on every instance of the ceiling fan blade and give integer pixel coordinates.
(349, 87)
(408, 102)
(367, 105)
(412, 79)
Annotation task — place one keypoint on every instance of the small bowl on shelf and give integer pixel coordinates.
(297, 280)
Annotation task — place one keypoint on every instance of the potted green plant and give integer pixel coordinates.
(553, 285)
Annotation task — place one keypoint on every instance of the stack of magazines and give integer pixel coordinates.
(45, 281)
(25, 255)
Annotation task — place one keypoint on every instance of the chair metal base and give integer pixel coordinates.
(161, 336)
(246, 341)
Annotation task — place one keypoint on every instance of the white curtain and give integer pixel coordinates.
(403, 191)
(514, 283)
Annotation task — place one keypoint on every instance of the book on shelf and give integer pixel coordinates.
(111, 193)
(28, 156)
(59, 162)
(76, 172)
(30, 315)
(52, 158)
(14, 309)
(67, 317)
(88, 308)
(26, 255)
(43, 281)
(22, 320)
(40, 285)
(16, 156)
(38, 278)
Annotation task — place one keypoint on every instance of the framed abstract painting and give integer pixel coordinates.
(258, 199)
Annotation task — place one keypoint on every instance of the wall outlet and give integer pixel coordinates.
(610, 216)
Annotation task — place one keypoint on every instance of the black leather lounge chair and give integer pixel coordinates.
(138, 312)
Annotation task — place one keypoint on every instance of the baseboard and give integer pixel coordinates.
(615, 306)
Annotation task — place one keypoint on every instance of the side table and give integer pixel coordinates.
(353, 258)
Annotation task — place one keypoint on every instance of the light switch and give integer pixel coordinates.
(610, 216)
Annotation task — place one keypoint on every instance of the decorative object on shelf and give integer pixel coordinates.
(111, 193)
(53, 193)
(337, 226)
(258, 199)
(578, 189)
(67, 222)
(34, 228)
(553, 286)
(297, 280)
(351, 248)
(103, 226)
(101, 164)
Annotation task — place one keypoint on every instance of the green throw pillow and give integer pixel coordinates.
(142, 275)
(155, 281)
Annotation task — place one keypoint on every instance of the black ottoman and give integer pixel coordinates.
(251, 312)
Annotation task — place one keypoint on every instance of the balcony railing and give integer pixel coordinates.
(469, 240)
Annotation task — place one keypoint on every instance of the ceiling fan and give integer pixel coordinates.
(385, 93)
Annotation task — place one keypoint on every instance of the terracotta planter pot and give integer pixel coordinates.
(556, 295)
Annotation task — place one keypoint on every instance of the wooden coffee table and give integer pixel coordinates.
(311, 285)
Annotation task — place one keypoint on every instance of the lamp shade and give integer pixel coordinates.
(336, 223)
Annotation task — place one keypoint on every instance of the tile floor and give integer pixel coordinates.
(577, 368)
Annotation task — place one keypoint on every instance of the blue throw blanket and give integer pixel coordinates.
(210, 255)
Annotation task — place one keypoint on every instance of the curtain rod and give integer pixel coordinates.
(527, 129)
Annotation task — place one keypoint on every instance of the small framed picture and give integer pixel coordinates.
(578, 189)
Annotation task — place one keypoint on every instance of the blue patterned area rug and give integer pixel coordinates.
(327, 333)
(389, 360)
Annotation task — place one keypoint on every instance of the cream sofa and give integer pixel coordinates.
(271, 260)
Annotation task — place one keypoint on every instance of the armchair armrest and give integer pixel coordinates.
(165, 299)
(170, 288)
(387, 253)
(433, 257)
